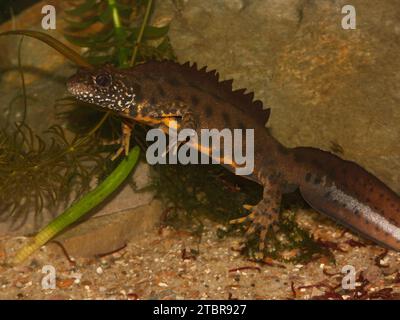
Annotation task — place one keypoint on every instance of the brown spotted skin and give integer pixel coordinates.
(155, 92)
(351, 195)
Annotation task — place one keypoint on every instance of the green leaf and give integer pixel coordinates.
(150, 33)
(165, 48)
(79, 41)
(97, 60)
(103, 35)
(98, 41)
(124, 9)
(106, 16)
(78, 26)
(83, 8)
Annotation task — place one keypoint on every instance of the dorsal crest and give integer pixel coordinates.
(208, 81)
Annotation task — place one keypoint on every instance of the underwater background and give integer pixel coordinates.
(327, 87)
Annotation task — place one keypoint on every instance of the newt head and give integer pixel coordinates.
(107, 87)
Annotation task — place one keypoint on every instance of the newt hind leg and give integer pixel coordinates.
(264, 214)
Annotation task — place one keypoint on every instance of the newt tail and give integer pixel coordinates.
(351, 195)
(153, 93)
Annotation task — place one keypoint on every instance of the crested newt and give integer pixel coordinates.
(157, 91)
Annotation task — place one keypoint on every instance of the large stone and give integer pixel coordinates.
(325, 85)
(101, 235)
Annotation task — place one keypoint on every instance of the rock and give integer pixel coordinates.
(101, 235)
(126, 198)
(277, 10)
(325, 85)
(372, 274)
(235, 5)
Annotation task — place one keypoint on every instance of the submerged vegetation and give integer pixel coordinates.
(113, 33)
(195, 192)
(38, 172)
(35, 174)
(51, 169)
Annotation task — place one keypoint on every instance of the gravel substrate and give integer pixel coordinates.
(161, 266)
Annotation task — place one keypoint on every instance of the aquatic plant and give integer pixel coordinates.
(84, 205)
(35, 174)
(115, 34)
(50, 170)
(106, 187)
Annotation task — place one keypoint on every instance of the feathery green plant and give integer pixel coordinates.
(104, 189)
(111, 30)
(84, 205)
(49, 170)
(36, 172)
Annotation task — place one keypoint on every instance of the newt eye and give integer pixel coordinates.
(103, 80)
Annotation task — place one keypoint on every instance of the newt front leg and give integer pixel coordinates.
(125, 140)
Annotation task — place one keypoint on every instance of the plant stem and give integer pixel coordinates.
(55, 44)
(115, 14)
(21, 72)
(77, 210)
(119, 34)
(141, 31)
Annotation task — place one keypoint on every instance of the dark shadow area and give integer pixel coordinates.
(13, 7)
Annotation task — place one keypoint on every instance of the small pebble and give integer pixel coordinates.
(162, 284)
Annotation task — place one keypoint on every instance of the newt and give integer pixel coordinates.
(155, 92)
